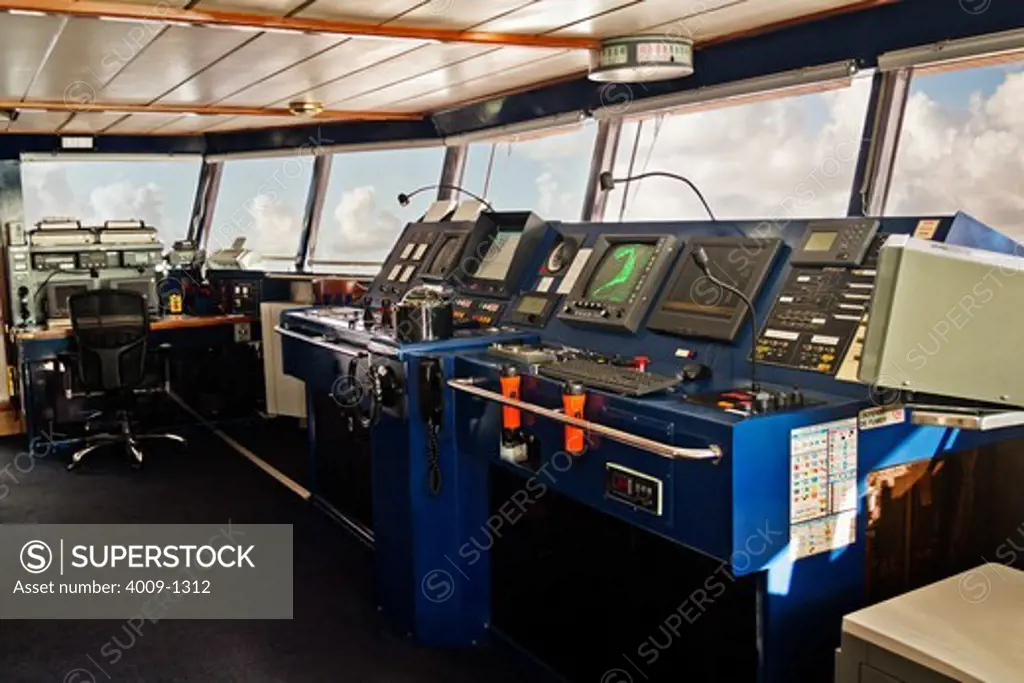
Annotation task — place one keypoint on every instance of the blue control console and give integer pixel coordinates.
(623, 372)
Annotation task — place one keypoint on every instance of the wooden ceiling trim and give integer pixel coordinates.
(173, 15)
(135, 108)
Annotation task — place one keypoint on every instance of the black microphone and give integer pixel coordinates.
(607, 183)
(404, 198)
(700, 257)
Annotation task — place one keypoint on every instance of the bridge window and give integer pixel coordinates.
(962, 145)
(263, 200)
(782, 157)
(159, 192)
(544, 173)
(361, 217)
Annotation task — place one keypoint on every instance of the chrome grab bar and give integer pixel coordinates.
(318, 341)
(712, 452)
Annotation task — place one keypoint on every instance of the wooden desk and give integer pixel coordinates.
(167, 322)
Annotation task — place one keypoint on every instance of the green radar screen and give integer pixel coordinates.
(619, 272)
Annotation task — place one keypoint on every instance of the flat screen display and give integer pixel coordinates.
(695, 293)
(532, 305)
(820, 241)
(499, 256)
(445, 255)
(619, 272)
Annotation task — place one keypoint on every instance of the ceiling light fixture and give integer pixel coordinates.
(641, 59)
(26, 13)
(307, 108)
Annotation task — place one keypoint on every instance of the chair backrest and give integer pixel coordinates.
(110, 327)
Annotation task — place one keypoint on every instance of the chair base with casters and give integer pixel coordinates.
(126, 437)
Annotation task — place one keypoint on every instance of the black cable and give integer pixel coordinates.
(700, 257)
(403, 197)
(42, 286)
(607, 183)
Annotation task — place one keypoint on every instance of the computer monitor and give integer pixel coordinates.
(143, 285)
(693, 306)
(58, 293)
(616, 287)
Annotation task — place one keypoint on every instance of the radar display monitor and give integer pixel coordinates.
(693, 306)
(620, 279)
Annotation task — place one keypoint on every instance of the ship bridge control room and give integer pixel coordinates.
(547, 341)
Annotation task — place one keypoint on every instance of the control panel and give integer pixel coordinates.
(841, 242)
(476, 312)
(692, 305)
(556, 277)
(405, 262)
(58, 259)
(616, 288)
(639, 490)
(818, 315)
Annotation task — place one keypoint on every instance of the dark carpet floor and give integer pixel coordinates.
(336, 634)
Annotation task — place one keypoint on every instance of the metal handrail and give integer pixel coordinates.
(712, 452)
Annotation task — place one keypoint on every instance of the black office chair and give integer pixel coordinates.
(110, 329)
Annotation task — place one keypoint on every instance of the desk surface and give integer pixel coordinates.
(967, 627)
(167, 322)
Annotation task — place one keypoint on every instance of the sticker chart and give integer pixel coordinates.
(822, 487)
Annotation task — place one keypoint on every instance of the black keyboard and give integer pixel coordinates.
(610, 378)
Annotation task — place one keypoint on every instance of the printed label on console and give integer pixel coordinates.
(823, 487)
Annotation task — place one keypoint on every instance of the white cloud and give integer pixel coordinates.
(791, 157)
(973, 161)
(360, 230)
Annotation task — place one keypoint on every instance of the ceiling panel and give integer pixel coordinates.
(38, 121)
(346, 58)
(458, 15)
(278, 7)
(143, 123)
(425, 59)
(88, 54)
(492, 64)
(545, 16)
(264, 56)
(641, 17)
(90, 122)
(750, 15)
(377, 11)
(169, 60)
(25, 41)
(517, 77)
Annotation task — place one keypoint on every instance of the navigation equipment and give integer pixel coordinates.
(839, 242)
(692, 306)
(498, 251)
(616, 287)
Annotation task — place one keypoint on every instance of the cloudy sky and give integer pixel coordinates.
(159, 192)
(962, 148)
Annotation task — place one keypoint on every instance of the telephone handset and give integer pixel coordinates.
(432, 413)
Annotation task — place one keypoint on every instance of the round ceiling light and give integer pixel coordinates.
(640, 59)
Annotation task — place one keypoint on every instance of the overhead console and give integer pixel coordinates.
(692, 306)
(616, 287)
(820, 309)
